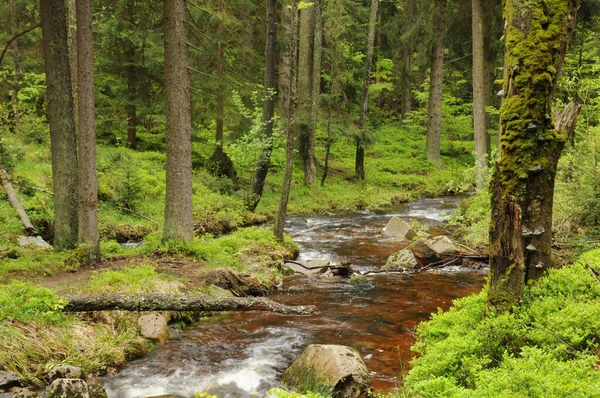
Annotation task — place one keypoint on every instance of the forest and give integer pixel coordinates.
(266, 178)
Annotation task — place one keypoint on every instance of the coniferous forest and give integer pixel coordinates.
(216, 164)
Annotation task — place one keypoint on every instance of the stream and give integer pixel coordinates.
(243, 354)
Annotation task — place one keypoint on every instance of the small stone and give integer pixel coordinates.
(68, 388)
(36, 241)
(66, 372)
(8, 380)
(154, 327)
(214, 290)
(24, 393)
(399, 229)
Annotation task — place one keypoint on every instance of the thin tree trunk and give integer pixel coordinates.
(285, 63)
(131, 72)
(14, 26)
(14, 201)
(179, 222)
(310, 170)
(72, 35)
(360, 140)
(63, 139)
(180, 302)
(329, 114)
(434, 108)
(523, 184)
(479, 77)
(289, 148)
(306, 50)
(407, 81)
(264, 160)
(88, 185)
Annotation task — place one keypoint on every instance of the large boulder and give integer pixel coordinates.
(154, 327)
(337, 367)
(398, 229)
(424, 254)
(443, 245)
(66, 372)
(68, 388)
(402, 260)
(8, 380)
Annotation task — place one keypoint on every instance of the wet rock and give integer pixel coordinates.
(424, 254)
(97, 391)
(8, 380)
(36, 241)
(66, 372)
(402, 260)
(24, 393)
(154, 327)
(68, 388)
(398, 229)
(336, 366)
(309, 267)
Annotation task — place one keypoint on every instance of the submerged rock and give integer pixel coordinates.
(154, 327)
(68, 388)
(337, 367)
(399, 229)
(8, 380)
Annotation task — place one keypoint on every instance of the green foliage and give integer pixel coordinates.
(281, 393)
(545, 347)
(24, 302)
(472, 219)
(140, 279)
(9, 155)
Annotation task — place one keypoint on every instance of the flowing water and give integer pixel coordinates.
(243, 354)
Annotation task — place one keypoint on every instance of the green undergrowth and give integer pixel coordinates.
(37, 335)
(547, 347)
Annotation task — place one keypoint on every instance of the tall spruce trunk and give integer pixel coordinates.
(179, 223)
(306, 49)
(289, 146)
(14, 100)
(310, 170)
(285, 62)
(479, 95)
(131, 72)
(264, 160)
(88, 185)
(436, 76)
(531, 142)
(359, 161)
(63, 139)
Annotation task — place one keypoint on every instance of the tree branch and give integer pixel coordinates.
(15, 37)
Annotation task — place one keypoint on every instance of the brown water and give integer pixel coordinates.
(244, 354)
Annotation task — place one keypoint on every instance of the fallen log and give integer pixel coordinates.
(177, 302)
(12, 198)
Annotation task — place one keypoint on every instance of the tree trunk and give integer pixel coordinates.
(88, 184)
(131, 72)
(14, 26)
(406, 81)
(479, 95)
(12, 198)
(285, 64)
(72, 35)
(310, 170)
(264, 160)
(329, 115)
(63, 140)
(306, 52)
(523, 184)
(434, 108)
(359, 169)
(180, 302)
(179, 223)
(289, 147)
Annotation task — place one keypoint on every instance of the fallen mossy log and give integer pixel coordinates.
(177, 302)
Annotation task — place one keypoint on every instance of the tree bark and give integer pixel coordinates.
(14, 26)
(306, 52)
(88, 184)
(359, 164)
(285, 63)
(63, 140)
(310, 170)
(14, 201)
(289, 147)
(178, 208)
(522, 188)
(166, 302)
(131, 72)
(479, 95)
(264, 160)
(434, 107)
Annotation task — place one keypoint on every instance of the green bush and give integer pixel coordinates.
(546, 347)
(24, 302)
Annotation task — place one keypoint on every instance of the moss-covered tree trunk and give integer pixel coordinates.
(523, 183)
(63, 139)
(179, 223)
